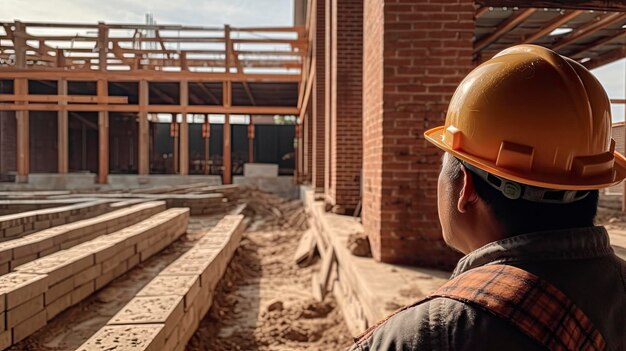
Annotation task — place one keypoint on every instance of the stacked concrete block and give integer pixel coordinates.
(177, 299)
(28, 248)
(19, 224)
(41, 289)
(146, 337)
(22, 309)
(201, 204)
(17, 205)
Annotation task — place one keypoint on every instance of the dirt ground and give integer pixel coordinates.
(73, 327)
(264, 301)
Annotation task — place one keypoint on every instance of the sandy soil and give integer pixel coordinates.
(264, 301)
(73, 327)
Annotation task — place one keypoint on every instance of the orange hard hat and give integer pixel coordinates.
(534, 117)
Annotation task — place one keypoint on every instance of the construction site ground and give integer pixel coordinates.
(263, 302)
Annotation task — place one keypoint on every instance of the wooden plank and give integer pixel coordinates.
(598, 43)
(607, 58)
(144, 137)
(184, 130)
(136, 75)
(306, 249)
(197, 109)
(103, 40)
(64, 98)
(588, 29)
(597, 5)
(557, 22)
(510, 23)
(103, 137)
(62, 130)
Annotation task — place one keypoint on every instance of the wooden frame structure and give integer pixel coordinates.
(104, 53)
(588, 35)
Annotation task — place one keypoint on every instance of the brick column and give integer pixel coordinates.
(319, 103)
(346, 72)
(415, 55)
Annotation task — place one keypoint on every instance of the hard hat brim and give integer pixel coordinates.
(435, 136)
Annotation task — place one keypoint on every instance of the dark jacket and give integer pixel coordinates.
(579, 262)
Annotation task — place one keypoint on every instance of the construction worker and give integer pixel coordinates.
(527, 143)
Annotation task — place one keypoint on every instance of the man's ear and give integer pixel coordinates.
(468, 195)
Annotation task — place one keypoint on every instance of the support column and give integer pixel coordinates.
(62, 130)
(404, 96)
(103, 136)
(346, 65)
(227, 91)
(251, 132)
(20, 87)
(206, 135)
(319, 99)
(184, 129)
(144, 128)
(174, 132)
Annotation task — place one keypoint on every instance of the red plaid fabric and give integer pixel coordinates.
(533, 305)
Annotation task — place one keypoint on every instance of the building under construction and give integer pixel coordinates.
(140, 118)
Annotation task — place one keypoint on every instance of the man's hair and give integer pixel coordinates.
(521, 216)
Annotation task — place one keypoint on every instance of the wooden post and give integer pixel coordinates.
(207, 137)
(62, 130)
(251, 135)
(103, 136)
(103, 116)
(227, 91)
(21, 88)
(184, 130)
(174, 128)
(144, 136)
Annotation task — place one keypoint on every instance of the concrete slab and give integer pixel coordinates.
(167, 310)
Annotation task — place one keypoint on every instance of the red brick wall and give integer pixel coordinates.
(426, 51)
(346, 103)
(319, 99)
(8, 142)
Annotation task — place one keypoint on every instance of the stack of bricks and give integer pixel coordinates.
(18, 224)
(30, 247)
(201, 204)
(165, 314)
(39, 290)
(415, 54)
(17, 205)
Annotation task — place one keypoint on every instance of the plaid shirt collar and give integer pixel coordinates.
(577, 243)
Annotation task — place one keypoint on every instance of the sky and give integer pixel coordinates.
(213, 13)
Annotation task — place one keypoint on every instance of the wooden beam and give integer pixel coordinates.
(23, 134)
(184, 130)
(209, 109)
(588, 29)
(103, 136)
(159, 76)
(144, 136)
(226, 156)
(510, 23)
(555, 23)
(103, 43)
(607, 58)
(307, 92)
(618, 101)
(62, 131)
(598, 43)
(597, 5)
(480, 12)
(63, 98)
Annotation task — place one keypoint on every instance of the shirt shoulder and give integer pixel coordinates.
(445, 324)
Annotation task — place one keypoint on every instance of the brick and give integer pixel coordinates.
(184, 285)
(57, 306)
(60, 265)
(120, 257)
(20, 287)
(24, 311)
(59, 289)
(167, 310)
(87, 275)
(82, 292)
(136, 337)
(5, 339)
(29, 326)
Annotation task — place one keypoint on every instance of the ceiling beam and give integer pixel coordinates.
(607, 58)
(597, 5)
(508, 24)
(555, 23)
(480, 12)
(209, 93)
(599, 43)
(588, 29)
